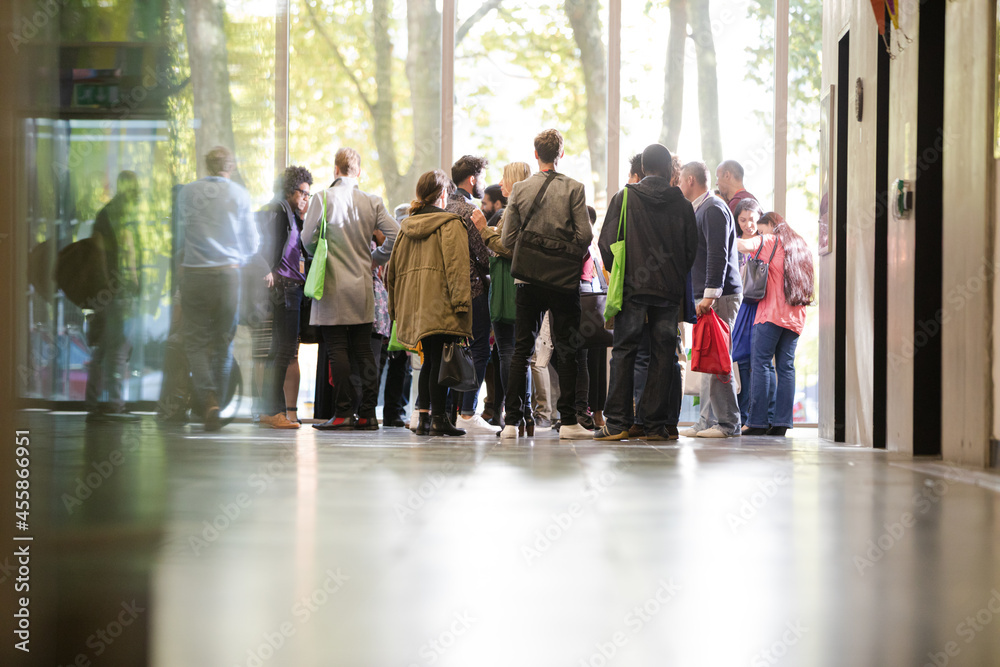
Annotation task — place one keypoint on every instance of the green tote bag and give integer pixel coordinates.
(317, 271)
(616, 286)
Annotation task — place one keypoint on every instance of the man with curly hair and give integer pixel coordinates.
(281, 248)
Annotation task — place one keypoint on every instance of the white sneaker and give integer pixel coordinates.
(689, 432)
(477, 423)
(509, 432)
(716, 432)
(575, 432)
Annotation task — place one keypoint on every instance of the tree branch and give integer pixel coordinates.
(321, 29)
(484, 9)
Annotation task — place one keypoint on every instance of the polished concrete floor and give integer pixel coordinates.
(175, 548)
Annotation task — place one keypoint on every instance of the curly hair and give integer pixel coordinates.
(468, 165)
(293, 178)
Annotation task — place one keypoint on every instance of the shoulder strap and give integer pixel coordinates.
(538, 198)
(322, 218)
(622, 228)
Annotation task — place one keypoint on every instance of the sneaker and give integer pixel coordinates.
(279, 421)
(669, 433)
(476, 424)
(605, 433)
(542, 422)
(690, 432)
(556, 425)
(716, 432)
(586, 421)
(636, 431)
(575, 432)
(509, 432)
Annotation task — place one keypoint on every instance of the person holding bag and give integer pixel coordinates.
(343, 219)
(430, 295)
(503, 309)
(781, 317)
(547, 227)
(653, 225)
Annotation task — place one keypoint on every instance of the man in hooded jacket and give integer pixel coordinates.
(661, 239)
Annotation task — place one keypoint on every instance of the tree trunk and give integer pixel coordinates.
(584, 18)
(423, 70)
(673, 89)
(708, 84)
(205, 23)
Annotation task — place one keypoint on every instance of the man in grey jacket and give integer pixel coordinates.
(347, 310)
(717, 283)
(561, 213)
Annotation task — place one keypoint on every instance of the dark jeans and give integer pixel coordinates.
(286, 302)
(771, 341)
(642, 357)
(209, 305)
(597, 359)
(397, 385)
(582, 397)
(109, 355)
(430, 393)
(480, 349)
(503, 333)
(376, 342)
(532, 302)
(659, 407)
(344, 342)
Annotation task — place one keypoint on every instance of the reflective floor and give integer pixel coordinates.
(251, 547)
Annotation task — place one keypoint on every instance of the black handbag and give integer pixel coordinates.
(543, 260)
(755, 275)
(457, 368)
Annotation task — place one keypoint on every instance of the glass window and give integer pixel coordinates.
(526, 67)
(128, 96)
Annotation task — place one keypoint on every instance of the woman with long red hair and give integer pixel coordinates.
(781, 317)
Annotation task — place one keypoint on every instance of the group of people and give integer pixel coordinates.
(506, 278)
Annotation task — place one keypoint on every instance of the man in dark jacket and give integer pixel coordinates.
(717, 284)
(115, 226)
(661, 239)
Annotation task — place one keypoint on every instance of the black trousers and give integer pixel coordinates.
(342, 344)
(430, 393)
(397, 384)
(532, 303)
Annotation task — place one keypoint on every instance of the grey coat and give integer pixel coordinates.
(352, 216)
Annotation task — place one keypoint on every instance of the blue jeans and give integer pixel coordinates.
(209, 304)
(746, 389)
(770, 340)
(480, 348)
(657, 408)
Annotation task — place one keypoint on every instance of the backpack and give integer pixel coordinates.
(82, 272)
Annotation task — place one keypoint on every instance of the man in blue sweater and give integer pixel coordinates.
(716, 278)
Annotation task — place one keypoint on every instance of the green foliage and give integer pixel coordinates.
(805, 50)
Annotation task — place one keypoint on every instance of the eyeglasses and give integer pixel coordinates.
(305, 193)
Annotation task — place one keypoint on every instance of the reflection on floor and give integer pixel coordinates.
(252, 547)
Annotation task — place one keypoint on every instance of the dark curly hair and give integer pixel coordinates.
(293, 178)
(468, 165)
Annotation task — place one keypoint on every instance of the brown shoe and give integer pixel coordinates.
(636, 431)
(279, 421)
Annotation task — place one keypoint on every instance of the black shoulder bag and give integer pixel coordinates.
(755, 275)
(544, 260)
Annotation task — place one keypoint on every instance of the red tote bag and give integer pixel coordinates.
(710, 346)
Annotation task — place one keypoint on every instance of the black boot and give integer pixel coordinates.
(441, 426)
(423, 423)
(777, 430)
